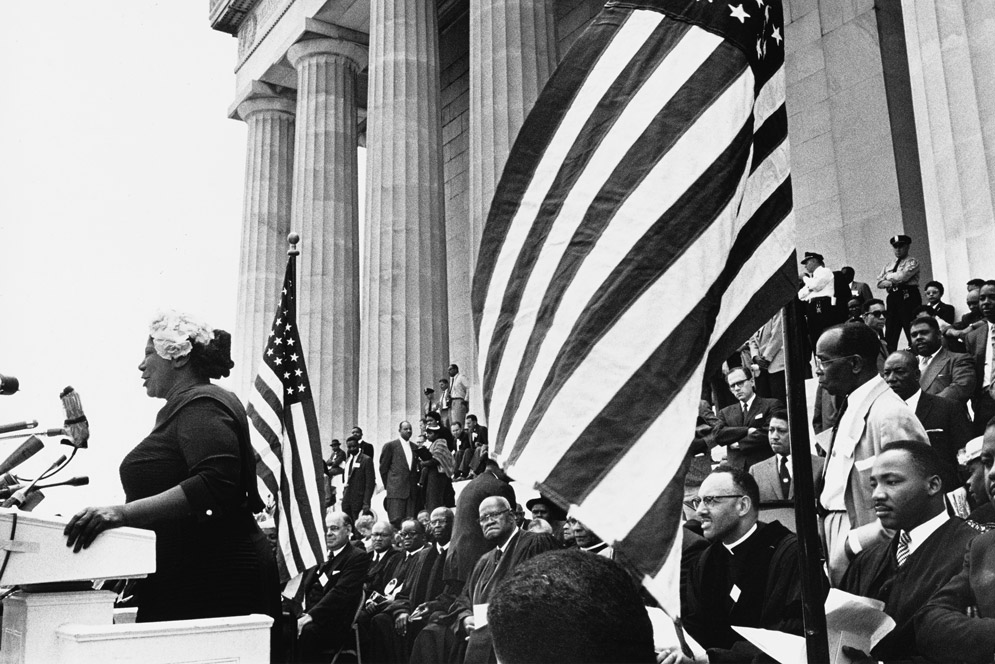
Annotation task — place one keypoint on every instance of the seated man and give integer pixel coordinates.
(958, 622)
(774, 475)
(331, 594)
(383, 557)
(412, 542)
(748, 575)
(742, 427)
(924, 554)
(566, 606)
(942, 372)
(587, 540)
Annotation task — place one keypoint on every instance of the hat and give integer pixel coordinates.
(556, 512)
(809, 255)
(971, 451)
(900, 240)
(432, 426)
(336, 443)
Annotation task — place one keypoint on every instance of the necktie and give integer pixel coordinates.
(785, 477)
(902, 554)
(352, 459)
(497, 556)
(744, 413)
(923, 361)
(839, 418)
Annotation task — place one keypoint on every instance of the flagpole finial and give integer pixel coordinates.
(293, 239)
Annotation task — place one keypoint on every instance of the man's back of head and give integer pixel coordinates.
(569, 606)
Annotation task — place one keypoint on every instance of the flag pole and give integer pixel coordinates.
(806, 520)
(292, 240)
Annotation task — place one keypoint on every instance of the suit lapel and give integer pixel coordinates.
(924, 407)
(773, 477)
(933, 369)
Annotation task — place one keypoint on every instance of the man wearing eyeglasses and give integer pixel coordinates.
(742, 427)
(748, 575)
(874, 317)
(871, 416)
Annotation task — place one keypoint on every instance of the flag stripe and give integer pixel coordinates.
(612, 129)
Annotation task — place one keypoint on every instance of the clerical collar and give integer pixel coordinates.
(441, 547)
(742, 539)
(595, 548)
(504, 547)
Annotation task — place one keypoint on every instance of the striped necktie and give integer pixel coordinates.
(903, 553)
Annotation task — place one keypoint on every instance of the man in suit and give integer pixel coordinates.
(331, 594)
(359, 479)
(872, 415)
(364, 447)
(935, 305)
(383, 557)
(858, 289)
(477, 433)
(925, 552)
(399, 477)
(775, 476)
(979, 346)
(942, 372)
(945, 420)
(754, 563)
(742, 427)
(958, 622)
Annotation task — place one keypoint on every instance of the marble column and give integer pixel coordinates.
(951, 50)
(405, 310)
(269, 164)
(512, 53)
(325, 211)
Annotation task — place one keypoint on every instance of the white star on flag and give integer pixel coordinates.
(739, 12)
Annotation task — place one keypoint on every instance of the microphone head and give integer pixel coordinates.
(76, 422)
(8, 385)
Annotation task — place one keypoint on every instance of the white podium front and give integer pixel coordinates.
(41, 626)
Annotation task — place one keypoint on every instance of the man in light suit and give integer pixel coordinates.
(942, 372)
(742, 427)
(945, 420)
(979, 346)
(359, 479)
(399, 477)
(872, 415)
(775, 476)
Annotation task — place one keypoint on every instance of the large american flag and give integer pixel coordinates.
(285, 438)
(641, 231)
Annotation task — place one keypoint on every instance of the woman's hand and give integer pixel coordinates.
(83, 528)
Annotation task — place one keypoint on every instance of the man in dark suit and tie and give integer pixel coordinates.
(926, 551)
(742, 427)
(331, 594)
(979, 346)
(774, 476)
(958, 622)
(399, 476)
(359, 479)
(942, 372)
(945, 420)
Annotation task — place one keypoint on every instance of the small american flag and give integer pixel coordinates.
(285, 438)
(641, 231)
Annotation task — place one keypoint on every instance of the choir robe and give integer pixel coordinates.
(380, 572)
(758, 585)
(875, 573)
(442, 641)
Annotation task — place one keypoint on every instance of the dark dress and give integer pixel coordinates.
(214, 562)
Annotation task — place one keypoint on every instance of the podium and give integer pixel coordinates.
(51, 619)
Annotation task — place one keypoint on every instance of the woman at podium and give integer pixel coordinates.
(192, 481)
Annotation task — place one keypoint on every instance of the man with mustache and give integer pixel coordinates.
(926, 551)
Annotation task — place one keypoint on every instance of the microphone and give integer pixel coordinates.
(47, 432)
(76, 422)
(25, 451)
(21, 498)
(18, 426)
(8, 385)
(81, 480)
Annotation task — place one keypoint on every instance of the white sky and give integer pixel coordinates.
(121, 193)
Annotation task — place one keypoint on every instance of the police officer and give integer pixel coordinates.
(901, 280)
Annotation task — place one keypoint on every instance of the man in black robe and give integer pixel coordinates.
(926, 551)
(748, 575)
(442, 641)
(383, 557)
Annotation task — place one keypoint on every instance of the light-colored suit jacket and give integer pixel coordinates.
(769, 481)
(949, 375)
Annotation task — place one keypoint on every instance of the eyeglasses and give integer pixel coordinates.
(406, 534)
(711, 500)
(492, 516)
(821, 363)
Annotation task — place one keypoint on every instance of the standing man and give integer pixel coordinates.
(942, 372)
(399, 476)
(871, 416)
(858, 289)
(979, 343)
(459, 395)
(742, 427)
(874, 318)
(364, 447)
(767, 352)
(444, 401)
(901, 280)
(926, 551)
(359, 478)
(819, 294)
